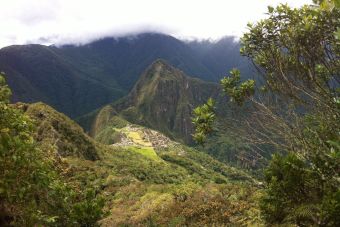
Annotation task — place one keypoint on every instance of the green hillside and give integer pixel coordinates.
(152, 180)
(144, 177)
(155, 147)
(40, 73)
(55, 128)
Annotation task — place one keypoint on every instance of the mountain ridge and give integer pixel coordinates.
(79, 79)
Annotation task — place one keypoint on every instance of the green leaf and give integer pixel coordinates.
(270, 9)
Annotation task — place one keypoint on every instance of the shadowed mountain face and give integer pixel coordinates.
(163, 99)
(78, 79)
(40, 73)
(220, 57)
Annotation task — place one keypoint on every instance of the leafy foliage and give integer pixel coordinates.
(31, 187)
(297, 194)
(295, 52)
(238, 91)
(203, 119)
(224, 205)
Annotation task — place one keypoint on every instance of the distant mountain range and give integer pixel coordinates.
(79, 79)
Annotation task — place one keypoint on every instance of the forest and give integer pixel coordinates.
(251, 150)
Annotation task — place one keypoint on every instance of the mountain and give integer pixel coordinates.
(79, 79)
(148, 179)
(40, 73)
(222, 56)
(143, 176)
(58, 130)
(162, 99)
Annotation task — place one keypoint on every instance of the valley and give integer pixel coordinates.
(144, 177)
(112, 127)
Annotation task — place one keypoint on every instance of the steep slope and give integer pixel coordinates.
(39, 73)
(78, 79)
(221, 56)
(58, 130)
(123, 59)
(144, 177)
(162, 99)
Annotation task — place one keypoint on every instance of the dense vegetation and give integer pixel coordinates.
(148, 179)
(33, 189)
(296, 111)
(52, 174)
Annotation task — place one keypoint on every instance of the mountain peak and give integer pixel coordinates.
(163, 99)
(160, 65)
(160, 61)
(160, 69)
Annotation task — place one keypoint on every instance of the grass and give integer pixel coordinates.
(148, 152)
(136, 138)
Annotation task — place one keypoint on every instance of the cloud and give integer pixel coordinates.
(81, 21)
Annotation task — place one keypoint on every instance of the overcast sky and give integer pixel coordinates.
(80, 21)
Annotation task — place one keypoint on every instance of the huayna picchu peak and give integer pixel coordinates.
(107, 121)
(163, 99)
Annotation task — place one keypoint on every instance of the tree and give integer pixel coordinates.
(204, 117)
(32, 190)
(297, 110)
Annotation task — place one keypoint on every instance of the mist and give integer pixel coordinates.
(79, 22)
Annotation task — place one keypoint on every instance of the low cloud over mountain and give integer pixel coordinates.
(79, 22)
